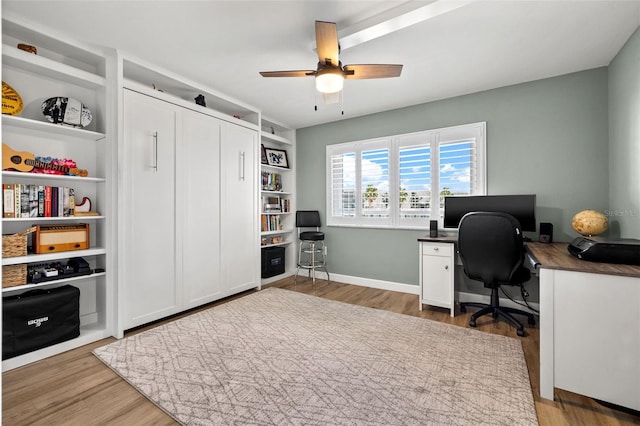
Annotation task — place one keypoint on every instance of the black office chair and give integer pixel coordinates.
(492, 251)
(312, 253)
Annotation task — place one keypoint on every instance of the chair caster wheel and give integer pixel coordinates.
(520, 332)
(472, 323)
(531, 321)
(463, 309)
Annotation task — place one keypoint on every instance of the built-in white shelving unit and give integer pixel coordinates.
(277, 225)
(66, 69)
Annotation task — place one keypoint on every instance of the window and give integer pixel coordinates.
(401, 181)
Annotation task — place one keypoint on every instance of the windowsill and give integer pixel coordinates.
(441, 232)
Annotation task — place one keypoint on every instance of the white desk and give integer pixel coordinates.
(589, 326)
(589, 318)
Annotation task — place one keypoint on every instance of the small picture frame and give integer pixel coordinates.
(277, 157)
(263, 155)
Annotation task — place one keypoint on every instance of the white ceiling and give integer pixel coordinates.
(481, 45)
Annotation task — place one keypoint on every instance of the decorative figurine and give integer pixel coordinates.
(200, 100)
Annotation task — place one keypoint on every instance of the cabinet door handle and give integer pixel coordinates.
(155, 152)
(446, 267)
(242, 165)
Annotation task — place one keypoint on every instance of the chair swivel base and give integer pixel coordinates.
(498, 311)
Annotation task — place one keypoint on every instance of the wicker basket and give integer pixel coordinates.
(13, 275)
(16, 244)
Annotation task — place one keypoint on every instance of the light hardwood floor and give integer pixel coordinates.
(75, 388)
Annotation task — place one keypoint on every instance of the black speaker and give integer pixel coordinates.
(433, 228)
(546, 232)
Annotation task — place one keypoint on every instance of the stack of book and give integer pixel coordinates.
(270, 223)
(24, 200)
(271, 181)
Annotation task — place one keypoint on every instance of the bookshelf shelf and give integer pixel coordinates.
(39, 64)
(35, 258)
(44, 284)
(276, 138)
(52, 219)
(42, 176)
(30, 124)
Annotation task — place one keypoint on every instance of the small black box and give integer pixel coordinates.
(272, 261)
(39, 318)
(433, 229)
(546, 232)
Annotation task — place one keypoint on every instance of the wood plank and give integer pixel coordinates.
(75, 388)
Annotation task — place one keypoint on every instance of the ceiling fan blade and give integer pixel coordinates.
(327, 42)
(301, 73)
(372, 71)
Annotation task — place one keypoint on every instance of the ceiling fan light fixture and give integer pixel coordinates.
(329, 82)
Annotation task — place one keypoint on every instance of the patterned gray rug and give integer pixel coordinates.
(278, 357)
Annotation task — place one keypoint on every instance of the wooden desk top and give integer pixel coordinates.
(556, 256)
(438, 239)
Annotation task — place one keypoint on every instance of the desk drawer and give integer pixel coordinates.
(437, 249)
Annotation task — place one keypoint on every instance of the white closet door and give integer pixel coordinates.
(240, 260)
(199, 199)
(149, 278)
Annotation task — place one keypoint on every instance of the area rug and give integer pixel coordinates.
(277, 357)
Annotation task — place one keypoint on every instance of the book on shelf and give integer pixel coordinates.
(271, 181)
(270, 223)
(285, 205)
(27, 200)
(8, 200)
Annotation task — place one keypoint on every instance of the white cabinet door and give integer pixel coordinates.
(199, 200)
(436, 274)
(148, 179)
(240, 260)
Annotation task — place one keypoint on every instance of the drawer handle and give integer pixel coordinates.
(436, 249)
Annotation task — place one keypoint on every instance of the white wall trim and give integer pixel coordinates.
(373, 283)
(414, 289)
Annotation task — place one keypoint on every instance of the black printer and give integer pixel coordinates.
(625, 251)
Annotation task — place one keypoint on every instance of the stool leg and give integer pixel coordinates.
(313, 263)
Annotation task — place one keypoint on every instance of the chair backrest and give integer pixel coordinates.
(307, 219)
(490, 246)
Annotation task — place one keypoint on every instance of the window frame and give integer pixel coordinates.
(433, 138)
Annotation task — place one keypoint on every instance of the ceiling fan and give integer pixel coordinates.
(330, 73)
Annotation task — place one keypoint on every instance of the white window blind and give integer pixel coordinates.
(401, 181)
(374, 166)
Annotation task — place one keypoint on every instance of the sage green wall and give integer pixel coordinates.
(547, 137)
(624, 140)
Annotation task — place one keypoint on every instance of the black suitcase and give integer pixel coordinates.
(39, 318)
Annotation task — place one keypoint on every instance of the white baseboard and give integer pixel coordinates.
(405, 288)
(414, 289)
(373, 283)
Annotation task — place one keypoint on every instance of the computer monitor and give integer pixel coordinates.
(522, 207)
